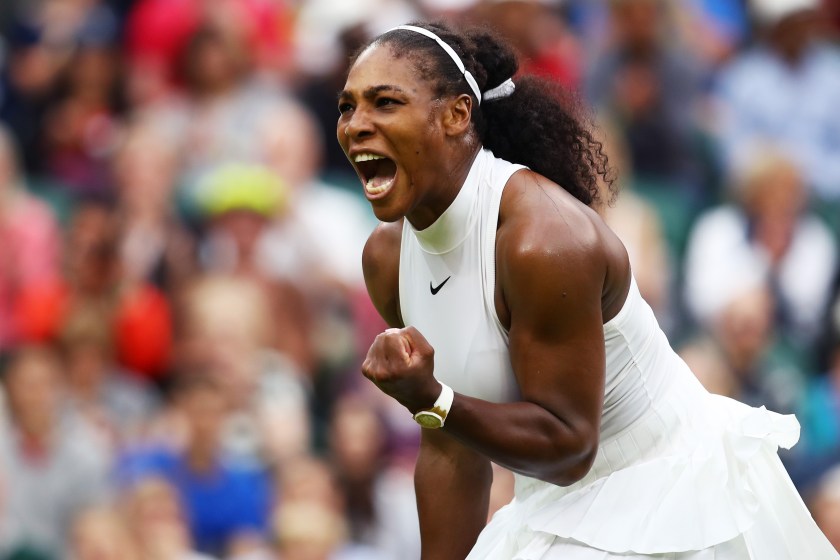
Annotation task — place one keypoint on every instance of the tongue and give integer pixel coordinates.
(385, 171)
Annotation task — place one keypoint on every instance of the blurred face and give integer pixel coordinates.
(144, 171)
(356, 439)
(100, 536)
(205, 410)
(95, 71)
(156, 519)
(86, 365)
(8, 171)
(637, 22)
(746, 326)
(90, 249)
(792, 34)
(291, 145)
(214, 65)
(390, 127)
(309, 480)
(826, 511)
(781, 194)
(34, 392)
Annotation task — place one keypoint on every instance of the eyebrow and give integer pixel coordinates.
(373, 91)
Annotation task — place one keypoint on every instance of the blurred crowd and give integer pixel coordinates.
(182, 310)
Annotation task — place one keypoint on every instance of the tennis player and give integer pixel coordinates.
(519, 336)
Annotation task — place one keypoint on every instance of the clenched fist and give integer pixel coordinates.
(401, 363)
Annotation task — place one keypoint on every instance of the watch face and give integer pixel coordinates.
(428, 419)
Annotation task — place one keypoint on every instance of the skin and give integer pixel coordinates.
(561, 274)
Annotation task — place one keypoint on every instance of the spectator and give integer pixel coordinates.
(138, 312)
(648, 86)
(100, 533)
(117, 403)
(157, 521)
(543, 40)
(317, 240)
(824, 503)
(784, 91)
(223, 105)
(29, 241)
(309, 521)
(769, 235)
(739, 354)
(155, 245)
(379, 495)
(54, 466)
(232, 330)
(226, 498)
(43, 37)
(85, 119)
(819, 413)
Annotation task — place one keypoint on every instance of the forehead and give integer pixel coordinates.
(378, 65)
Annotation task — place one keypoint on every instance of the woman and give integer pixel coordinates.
(519, 335)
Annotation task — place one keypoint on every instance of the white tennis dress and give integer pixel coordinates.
(679, 474)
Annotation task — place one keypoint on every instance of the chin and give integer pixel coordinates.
(387, 212)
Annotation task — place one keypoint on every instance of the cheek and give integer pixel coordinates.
(341, 136)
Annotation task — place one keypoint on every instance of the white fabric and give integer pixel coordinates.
(722, 263)
(771, 11)
(505, 89)
(679, 473)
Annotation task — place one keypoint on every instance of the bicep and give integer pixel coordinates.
(556, 334)
(381, 266)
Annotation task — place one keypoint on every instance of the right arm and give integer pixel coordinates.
(452, 481)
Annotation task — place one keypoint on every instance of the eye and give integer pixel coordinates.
(344, 107)
(385, 101)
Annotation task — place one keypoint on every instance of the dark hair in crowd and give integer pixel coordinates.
(540, 125)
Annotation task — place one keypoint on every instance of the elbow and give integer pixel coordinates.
(575, 464)
(573, 470)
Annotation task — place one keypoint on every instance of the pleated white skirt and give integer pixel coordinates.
(697, 478)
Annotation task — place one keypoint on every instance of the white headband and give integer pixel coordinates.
(452, 54)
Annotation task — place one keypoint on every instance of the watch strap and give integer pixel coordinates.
(442, 405)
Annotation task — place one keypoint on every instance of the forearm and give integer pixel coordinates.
(525, 437)
(453, 493)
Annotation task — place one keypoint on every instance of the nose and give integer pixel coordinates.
(359, 125)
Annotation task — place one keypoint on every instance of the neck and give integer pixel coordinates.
(450, 182)
(36, 432)
(452, 226)
(201, 458)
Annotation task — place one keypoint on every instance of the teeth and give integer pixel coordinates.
(367, 157)
(380, 189)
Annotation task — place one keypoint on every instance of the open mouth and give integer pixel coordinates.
(378, 172)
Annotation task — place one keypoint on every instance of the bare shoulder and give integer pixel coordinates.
(551, 245)
(381, 267)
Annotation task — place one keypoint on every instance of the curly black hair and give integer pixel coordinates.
(541, 125)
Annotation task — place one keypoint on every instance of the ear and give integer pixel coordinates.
(457, 115)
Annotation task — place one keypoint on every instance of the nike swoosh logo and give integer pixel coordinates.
(436, 290)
